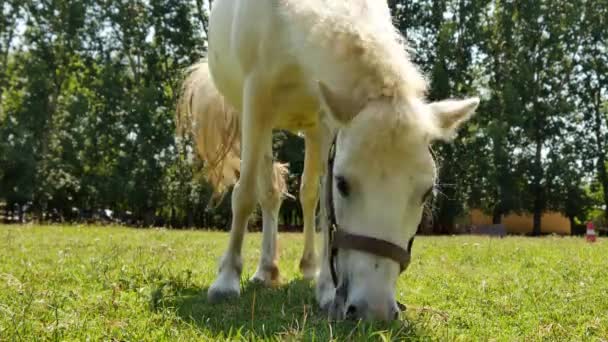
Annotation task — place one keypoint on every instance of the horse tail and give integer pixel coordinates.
(215, 126)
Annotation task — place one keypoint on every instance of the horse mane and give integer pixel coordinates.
(355, 46)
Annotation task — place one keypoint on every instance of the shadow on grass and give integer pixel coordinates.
(285, 312)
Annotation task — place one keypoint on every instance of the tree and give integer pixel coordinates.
(87, 93)
(591, 87)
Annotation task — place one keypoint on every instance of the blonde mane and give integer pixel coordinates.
(367, 56)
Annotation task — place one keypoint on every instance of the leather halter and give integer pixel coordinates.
(339, 239)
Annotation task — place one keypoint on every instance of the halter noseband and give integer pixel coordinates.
(340, 239)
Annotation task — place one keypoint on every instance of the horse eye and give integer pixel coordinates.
(343, 186)
(428, 194)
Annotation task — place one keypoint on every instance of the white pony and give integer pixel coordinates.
(284, 63)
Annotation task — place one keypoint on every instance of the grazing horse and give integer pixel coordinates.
(339, 72)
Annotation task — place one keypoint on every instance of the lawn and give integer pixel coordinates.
(112, 283)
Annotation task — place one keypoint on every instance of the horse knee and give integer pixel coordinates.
(243, 199)
(270, 199)
(271, 186)
(309, 193)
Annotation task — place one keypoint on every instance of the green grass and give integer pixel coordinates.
(77, 283)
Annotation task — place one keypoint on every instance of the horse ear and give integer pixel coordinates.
(341, 108)
(451, 114)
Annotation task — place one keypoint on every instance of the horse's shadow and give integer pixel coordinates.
(288, 311)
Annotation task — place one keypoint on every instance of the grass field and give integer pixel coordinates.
(77, 283)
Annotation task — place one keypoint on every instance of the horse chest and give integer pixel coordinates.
(257, 49)
(296, 107)
(296, 122)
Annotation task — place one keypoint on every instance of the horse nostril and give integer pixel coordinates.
(351, 312)
(395, 314)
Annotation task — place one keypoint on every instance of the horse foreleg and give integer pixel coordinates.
(270, 198)
(309, 197)
(254, 132)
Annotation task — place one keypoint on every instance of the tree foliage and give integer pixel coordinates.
(88, 90)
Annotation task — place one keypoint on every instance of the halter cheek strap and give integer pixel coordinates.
(339, 239)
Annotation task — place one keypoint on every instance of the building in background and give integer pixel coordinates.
(551, 222)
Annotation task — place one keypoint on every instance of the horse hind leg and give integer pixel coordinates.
(244, 195)
(309, 197)
(271, 186)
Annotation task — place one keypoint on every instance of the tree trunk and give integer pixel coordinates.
(537, 189)
(20, 213)
(497, 214)
(8, 212)
(149, 217)
(604, 180)
(448, 204)
(4, 63)
(572, 224)
(601, 152)
(190, 219)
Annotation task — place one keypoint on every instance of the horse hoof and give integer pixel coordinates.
(310, 274)
(259, 280)
(217, 294)
(309, 270)
(266, 275)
